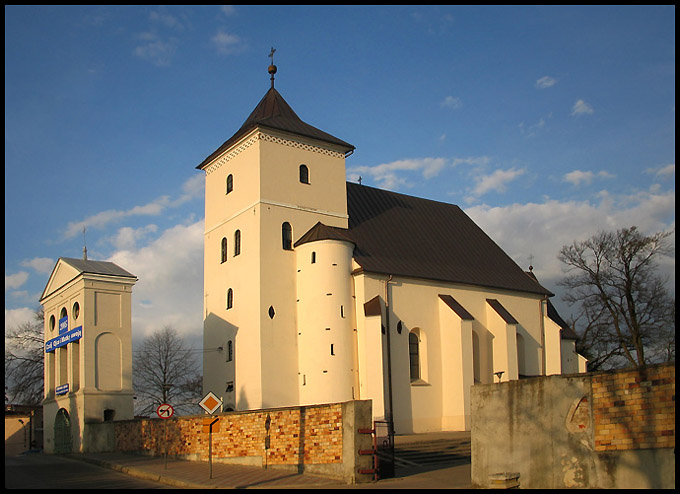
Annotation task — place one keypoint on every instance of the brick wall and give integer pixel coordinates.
(634, 409)
(298, 435)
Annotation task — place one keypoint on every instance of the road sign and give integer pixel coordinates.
(165, 411)
(210, 402)
(211, 422)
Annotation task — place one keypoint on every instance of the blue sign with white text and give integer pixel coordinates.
(63, 325)
(61, 390)
(64, 339)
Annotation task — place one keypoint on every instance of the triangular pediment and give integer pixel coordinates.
(62, 274)
(67, 269)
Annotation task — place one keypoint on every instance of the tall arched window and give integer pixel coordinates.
(237, 242)
(287, 236)
(304, 174)
(223, 255)
(414, 356)
(230, 298)
(230, 183)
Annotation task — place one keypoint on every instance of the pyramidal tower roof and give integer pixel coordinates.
(273, 112)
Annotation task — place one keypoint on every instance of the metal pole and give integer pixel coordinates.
(166, 444)
(210, 449)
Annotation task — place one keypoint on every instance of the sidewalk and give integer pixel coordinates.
(196, 475)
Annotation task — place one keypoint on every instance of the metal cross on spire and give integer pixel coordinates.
(272, 67)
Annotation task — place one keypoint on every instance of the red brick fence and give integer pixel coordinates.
(317, 439)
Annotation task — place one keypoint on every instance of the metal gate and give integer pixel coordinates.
(63, 440)
(384, 439)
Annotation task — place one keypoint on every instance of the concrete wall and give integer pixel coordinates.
(599, 430)
(318, 439)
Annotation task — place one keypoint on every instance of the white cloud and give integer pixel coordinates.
(43, 265)
(546, 82)
(165, 19)
(386, 174)
(497, 181)
(170, 286)
(390, 175)
(127, 238)
(578, 177)
(542, 229)
(228, 10)
(17, 317)
(14, 281)
(226, 43)
(452, 102)
(663, 172)
(581, 108)
(192, 189)
(156, 49)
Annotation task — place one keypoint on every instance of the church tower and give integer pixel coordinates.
(88, 351)
(265, 187)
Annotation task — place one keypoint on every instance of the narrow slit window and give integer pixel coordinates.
(230, 298)
(287, 236)
(304, 174)
(223, 255)
(332, 350)
(237, 242)
(230, 183)
(313, 257)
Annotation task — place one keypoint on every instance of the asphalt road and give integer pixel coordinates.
(42, 471)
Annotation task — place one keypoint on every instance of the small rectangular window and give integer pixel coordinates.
(332, 351)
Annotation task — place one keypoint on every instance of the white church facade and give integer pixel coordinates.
(318, 290)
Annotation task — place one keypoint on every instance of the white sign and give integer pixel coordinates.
(165, 411)
(210, 402)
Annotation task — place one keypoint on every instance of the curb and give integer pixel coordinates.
(146, 475)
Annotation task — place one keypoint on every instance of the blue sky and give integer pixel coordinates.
(545, 124)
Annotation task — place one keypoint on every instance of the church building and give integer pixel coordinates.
(318, 290)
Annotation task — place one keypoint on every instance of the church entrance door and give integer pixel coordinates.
(63, 440)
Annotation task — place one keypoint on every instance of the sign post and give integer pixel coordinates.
(210, 403)
(165, 411)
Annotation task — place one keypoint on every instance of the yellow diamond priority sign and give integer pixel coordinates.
(210, 402)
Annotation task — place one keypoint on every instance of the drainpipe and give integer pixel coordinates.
(389, 352)
(542, 304)
(390, 422)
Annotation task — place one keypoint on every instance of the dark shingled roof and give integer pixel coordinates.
(409, 236)
(273, 112)
(97, 267)
(501, 311)
(455, 306)
(323, 232)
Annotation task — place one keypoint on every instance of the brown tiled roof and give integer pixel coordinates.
(455, 306)
(501, 311)
(273, 112)
(409, 236)
(323, 232)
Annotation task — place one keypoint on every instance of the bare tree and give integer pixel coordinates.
(629, 316)
(24, 362)
(166, 371)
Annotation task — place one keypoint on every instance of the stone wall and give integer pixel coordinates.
(596, 430)
(320, 439)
